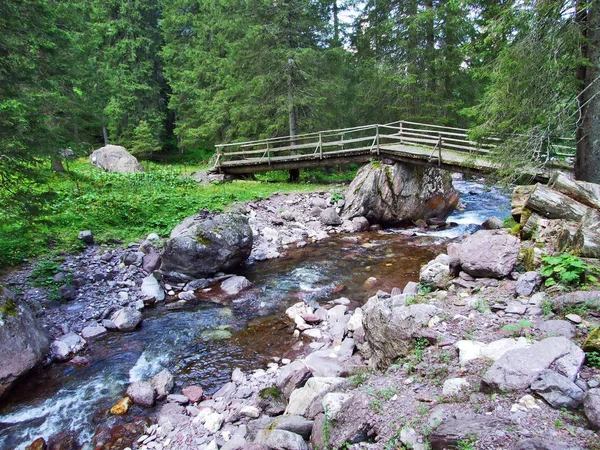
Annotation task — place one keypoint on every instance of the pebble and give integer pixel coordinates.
(573, 318)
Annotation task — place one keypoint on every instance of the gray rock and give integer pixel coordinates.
(151, 262)
(390, 329)
(93, 331)
(186, 296)
(489, 253)
(313, 392)
(236, 284)
(141, 393)
(114, 158)
(411, 288)
(436, 273)
(493, 223)
(453, 430)
(333, 402)
(126, 319)
(591, 405)
(558, 328)
(86, 236)
(330, 217)
(133, 258)
(151, 288)
(178, 398)
(205, 244)
(353, 425)
(163, 383)
(528, 283)
(294, 424)
(542, 444)
(194, 285)
(400, 193)
(323, 364)
(557, 390)
(173, 413)
(360, 224)
(280, 439)
(517, 369)
(65, 347)
(292, 377)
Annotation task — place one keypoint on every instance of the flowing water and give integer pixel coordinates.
(75, 399)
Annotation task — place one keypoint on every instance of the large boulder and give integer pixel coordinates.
(517, 369)
(23, 341)
(391, 328)
(205, 244)
(400, 193)
(114, 158)
(489, 253)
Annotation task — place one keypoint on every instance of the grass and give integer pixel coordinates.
(44, 218)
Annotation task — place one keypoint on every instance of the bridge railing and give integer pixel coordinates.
(349, 141)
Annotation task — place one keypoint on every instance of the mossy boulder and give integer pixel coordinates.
(592, 342)
(205, 244)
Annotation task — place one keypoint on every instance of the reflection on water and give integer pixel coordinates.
(76, 399)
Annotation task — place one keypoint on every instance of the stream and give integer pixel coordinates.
(186, 340)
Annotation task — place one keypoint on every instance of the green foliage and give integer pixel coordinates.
(592, 359)
(509, 222)
(360, 377)
(144, 143)
(547, 306)
(567, 269)
(43, 272)
(9, 308)
(270, 392)
(518, 328)
(465, 444)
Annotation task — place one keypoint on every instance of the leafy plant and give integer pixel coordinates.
(592, 359)
(567, 269)
(518, 327)
(465, 444)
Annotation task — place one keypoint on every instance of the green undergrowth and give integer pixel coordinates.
(44, 218)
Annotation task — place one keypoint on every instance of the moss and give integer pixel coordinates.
(527, 257)
(270, 392)
(515, 229)
(272, 426)
(592, 342)
(9, 308)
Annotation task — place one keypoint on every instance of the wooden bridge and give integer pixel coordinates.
(410, 142)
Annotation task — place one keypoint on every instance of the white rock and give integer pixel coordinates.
(469, 350)
(213, 422)
(298, 309)
(355, 321)
(314, 333)
(151, 288)
(333, 402)
(250, 411)
(453, 386)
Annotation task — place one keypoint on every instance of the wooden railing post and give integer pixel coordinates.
(400, 132)
(320, 146)
(439, 149)
(377, 130)
(268, 154)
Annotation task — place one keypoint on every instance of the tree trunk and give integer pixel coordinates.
(581, 191)
(336, 26)
(105, 134)
(554, 205)
(587, 163)
(293, 119)
(56, 164)
(587, 238)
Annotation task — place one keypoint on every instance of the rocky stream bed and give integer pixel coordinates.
(324, 340)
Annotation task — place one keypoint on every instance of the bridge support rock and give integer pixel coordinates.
(397, 194)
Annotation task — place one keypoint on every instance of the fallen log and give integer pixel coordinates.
(554, 205)
(520, 194)
(587, 238)
(581, 191)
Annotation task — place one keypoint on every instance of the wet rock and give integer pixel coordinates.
(194, 285)
(178, 398)
(23, 341)
(493, 223)
(517, 369)
(591, 405)
(395, 194)
(162, 383)
(151, 288)
(204, 244)
(126, 319)
(490, 253)
(453, 430)
(280, 439)
(141, 393)
(38, 444)
(93, 331)
(122, 406)
(558, 390)
(114, 158)
(86, 237)
(65, 347)
(390, 329)
(330, 217)
(236, 284)
(194, 393)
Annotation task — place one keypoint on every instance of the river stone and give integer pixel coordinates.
(493, 223)
(151, 288)
(86, 236)
(236, 284)
(518, 368)
(330, 217)
(213, 422)
(528, 283)
(163, 383)
(489, 253)
(93, 331)
(114, 158)
(591, 405)
(292, 377)
(280, 439)
(151, 262)
(400, 193)
(172, 413)
(436, 273)
(558, 390)
(313, 391)
(294, 424)
(126, 319)
(390, 328)
(207, 243)
(360, 224)
(23, 341)
(453, 430)
(142, 393)
(194, 393)
(65, 347)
